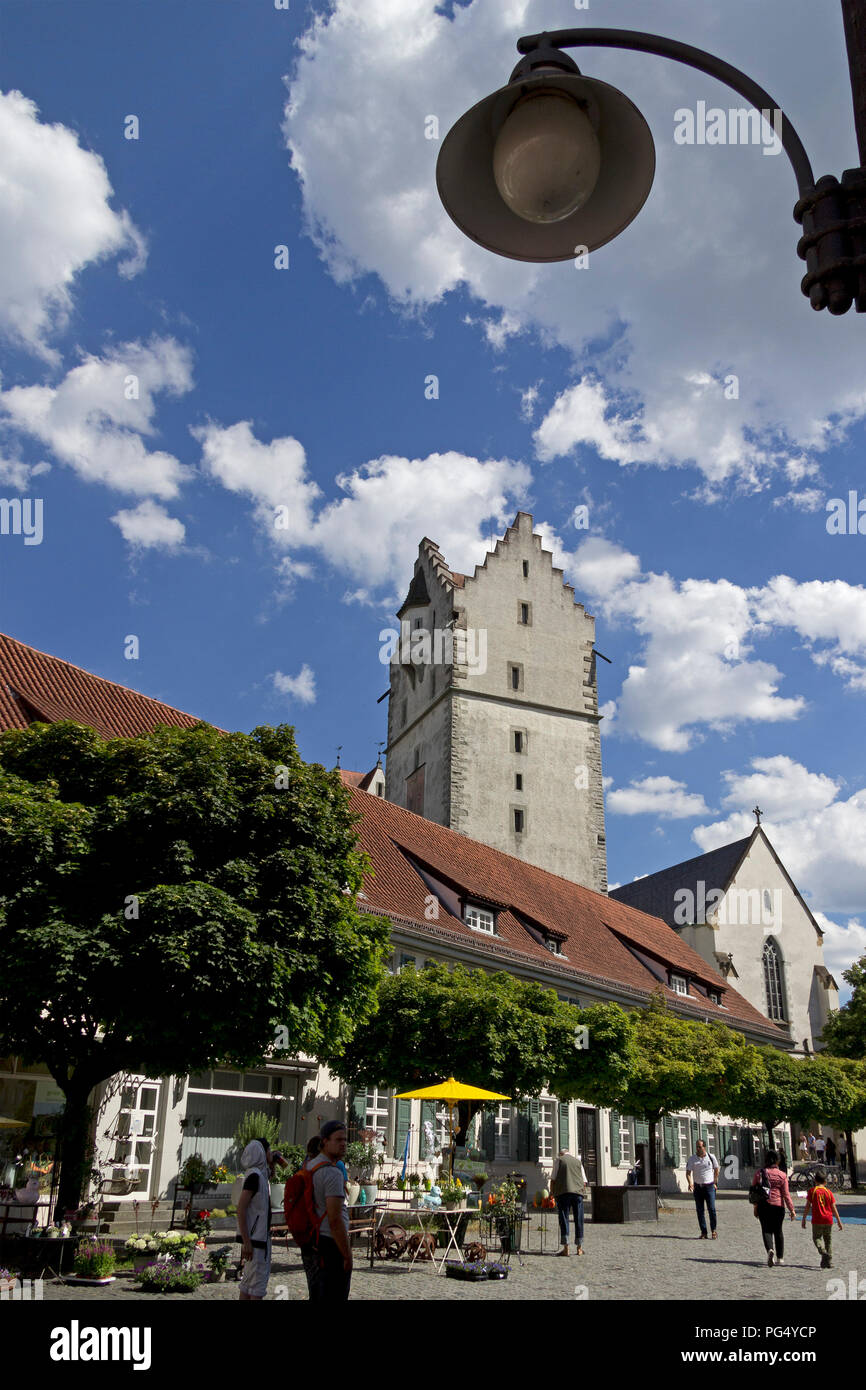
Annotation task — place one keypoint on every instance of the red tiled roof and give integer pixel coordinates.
(35, 686)
(596, 931)
(458, 580)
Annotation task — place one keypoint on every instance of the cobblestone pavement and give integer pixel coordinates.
(645, 1260)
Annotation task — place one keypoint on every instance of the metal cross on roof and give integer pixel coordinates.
(757, 813)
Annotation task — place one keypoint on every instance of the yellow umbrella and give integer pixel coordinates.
(451, 1092)
(7, 1123)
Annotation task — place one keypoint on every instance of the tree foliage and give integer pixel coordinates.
(489, 1030)
(168, 902)
(845, 1031)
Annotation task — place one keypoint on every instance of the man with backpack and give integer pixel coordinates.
(318, 1217)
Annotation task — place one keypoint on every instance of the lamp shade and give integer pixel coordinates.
(467, 184)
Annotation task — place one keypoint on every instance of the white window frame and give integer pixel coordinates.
(502, 1132)
(712, 1140)
(684, 1141)
(677, 981)
(546, 1120)
(484, 919)
(626, 1141)
(377, 1104)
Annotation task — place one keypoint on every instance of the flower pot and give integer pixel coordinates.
(352, 1190)
(372, 1191)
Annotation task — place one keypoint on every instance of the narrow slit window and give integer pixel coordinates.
(518, 781)
(518, 821)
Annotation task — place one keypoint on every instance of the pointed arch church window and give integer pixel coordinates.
(773, 980)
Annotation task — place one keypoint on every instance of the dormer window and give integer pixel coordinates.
(714, 996)
(554, 947)
(480, 919)
(679, 984)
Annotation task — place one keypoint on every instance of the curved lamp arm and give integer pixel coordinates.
(693, 58)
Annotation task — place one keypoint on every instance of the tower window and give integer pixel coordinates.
(515, 676)
(525, 569)
(518, 814)
(518, 781)
(524, 614)
(518, 737)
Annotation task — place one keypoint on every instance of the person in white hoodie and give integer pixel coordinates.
(254, 1219)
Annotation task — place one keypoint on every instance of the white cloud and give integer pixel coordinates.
(697, 665)
(819, 835)
(55, 219)
(371, 533)
(17, 474)
(300, 687)
(657, 796)
(843, 945)
(149, 527)
(96, 418)
(698, 291)
(809, 499)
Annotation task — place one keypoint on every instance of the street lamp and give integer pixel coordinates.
(555, 163)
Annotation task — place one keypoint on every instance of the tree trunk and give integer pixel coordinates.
(74, 1145)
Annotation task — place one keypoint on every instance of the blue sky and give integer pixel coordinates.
(735, 623)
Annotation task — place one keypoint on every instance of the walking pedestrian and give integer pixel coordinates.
(843, 1151)
(254, 1219)
(334, 1265)
(803, 1149)
(771, 1210)
(705, 1169)
(831, 1149)
(569, 1189)
(822, 1205)
(820, 1148)
(812, 1142)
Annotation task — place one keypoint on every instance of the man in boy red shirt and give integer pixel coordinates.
(822, 1205)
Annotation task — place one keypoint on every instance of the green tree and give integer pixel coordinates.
(788, 1088)
(681, 1065)
(845, 1107)
(169, 903)
(845, 1031)
(488, 1030)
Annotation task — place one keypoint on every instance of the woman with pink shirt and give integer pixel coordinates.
(771, 1212)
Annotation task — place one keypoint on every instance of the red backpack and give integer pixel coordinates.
(299, 1206)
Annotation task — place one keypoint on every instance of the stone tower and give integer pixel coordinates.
(493, 723)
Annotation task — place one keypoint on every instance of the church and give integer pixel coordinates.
(486, 833)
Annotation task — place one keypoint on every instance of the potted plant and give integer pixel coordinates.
(167, 1278)
(7, 1280)
(177, 1246)
(142, 1249)
(219, 1262)
(415, 1181)
(94, 1262)
(194, 1173)
(472, 1272)
(200, 1223)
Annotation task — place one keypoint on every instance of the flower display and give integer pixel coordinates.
(143, 1245)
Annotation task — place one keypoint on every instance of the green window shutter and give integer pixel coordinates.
(786, 1140)
(705, 1135)
(693, 1134)
(488, 1134)
(534, 1114)
(404, 1117)
(615, 1150)
(564, 1137)
(522, 1133)
(357, 1113)
(428, 1112)
(641, 1132)
(669, 1142)
(725, 1142)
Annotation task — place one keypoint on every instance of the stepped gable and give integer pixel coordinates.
(459, 581)
(656, 892)
(606, 943)
(37, 687)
